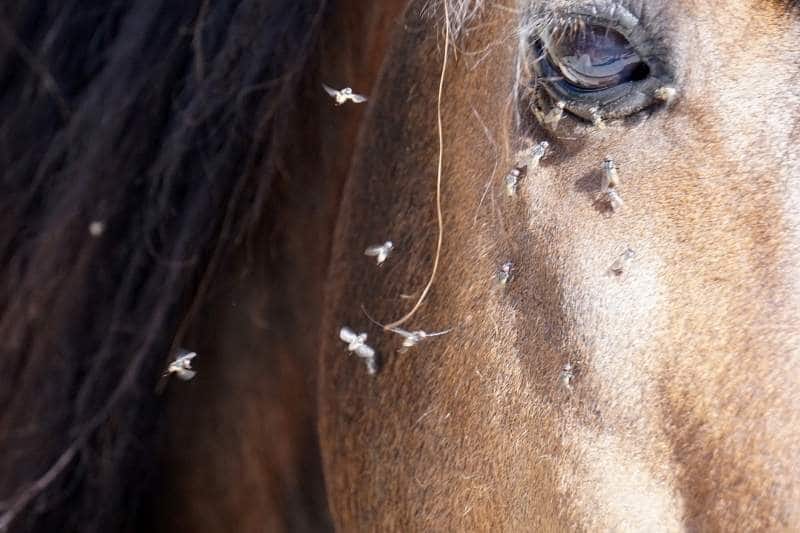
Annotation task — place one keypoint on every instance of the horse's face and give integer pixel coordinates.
(660, 392)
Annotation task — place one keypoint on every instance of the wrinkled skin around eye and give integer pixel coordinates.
(594, 58)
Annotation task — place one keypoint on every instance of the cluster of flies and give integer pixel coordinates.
(357, 342)
(609, 195)
(527, 161)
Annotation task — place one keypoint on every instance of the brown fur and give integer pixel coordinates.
(685, 404)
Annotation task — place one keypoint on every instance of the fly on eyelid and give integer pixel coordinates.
(609, 186)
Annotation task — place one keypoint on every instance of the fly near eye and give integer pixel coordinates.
(593, 57)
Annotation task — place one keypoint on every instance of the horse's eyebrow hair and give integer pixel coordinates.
(541, 15)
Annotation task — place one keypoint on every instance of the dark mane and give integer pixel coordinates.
(153, 123)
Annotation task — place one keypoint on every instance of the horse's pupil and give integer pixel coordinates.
(593, 57)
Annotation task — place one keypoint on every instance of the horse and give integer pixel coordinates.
(587, 318)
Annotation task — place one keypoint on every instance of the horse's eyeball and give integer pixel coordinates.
(593, 57)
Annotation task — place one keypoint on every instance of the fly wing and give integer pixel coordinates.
(374, 250)
(358, 98)
(347, 335)
(330, 90)
(185, 374)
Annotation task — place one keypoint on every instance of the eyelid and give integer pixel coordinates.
(628, 13)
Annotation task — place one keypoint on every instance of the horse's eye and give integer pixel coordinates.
(592, 57)
(596, 64)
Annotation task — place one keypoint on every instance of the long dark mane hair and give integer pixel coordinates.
(137, 146)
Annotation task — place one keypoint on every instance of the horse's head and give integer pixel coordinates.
(586, 318)
(637, 363)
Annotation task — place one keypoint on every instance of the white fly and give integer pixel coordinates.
(505, 273)
(623, 262)
(412, 338)
(597, 118)
(356, 343)
(554, 116)
(666, 94)
(526, 161)
(380, 251)
(566, 376)
(182, 366)
(610, 175)
(512, 180)
(343, 95)
(609, 187)
(538, 152)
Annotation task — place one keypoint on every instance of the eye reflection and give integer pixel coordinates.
(593, 57)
